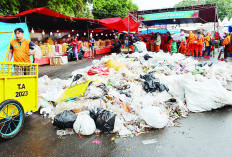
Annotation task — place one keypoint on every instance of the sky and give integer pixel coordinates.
(155, 4)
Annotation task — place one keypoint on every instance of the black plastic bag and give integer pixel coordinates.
(151, 84)
(171, 100)
(77, 77)
(104, 119)
(210, 64)
(65, 120)
(146, 57)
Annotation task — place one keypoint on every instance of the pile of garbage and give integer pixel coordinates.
(129, 94)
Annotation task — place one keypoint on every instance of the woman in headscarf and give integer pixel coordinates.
(157, 42)
(191, 43)
(182, 48)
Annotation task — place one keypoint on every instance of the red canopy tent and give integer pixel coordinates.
(125, 24)
(47, 19)
(110, 20)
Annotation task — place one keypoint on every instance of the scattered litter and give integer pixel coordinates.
(96, 142)
(29, 113)
(65, 132)
(128, 149)
(129, 94)
(151, 141)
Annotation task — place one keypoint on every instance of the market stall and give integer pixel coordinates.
(53, 32)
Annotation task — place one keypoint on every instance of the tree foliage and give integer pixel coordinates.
(112, 8)
(77, 8)
(224, 7)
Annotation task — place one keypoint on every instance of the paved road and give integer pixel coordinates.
(205, 134)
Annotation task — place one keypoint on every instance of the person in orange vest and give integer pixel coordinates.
(162, 41)
(199, 45)
(191, 43)
(157, 42)
(183, 43)
(152, 42)
(169, 42)
(22, 49)
(226, 43)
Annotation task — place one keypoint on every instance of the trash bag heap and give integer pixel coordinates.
(129, 94)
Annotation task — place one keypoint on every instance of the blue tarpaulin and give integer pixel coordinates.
(230, 28)
(5, 37)
(172, 31)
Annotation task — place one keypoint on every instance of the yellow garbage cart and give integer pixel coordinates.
(18, 94)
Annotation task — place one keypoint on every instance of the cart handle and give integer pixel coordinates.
(9, 42)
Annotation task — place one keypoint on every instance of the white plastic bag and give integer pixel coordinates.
(207, 95)
(84, 124)
(154, 116)
(38, 53)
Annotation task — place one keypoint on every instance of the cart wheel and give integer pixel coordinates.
(11, 118)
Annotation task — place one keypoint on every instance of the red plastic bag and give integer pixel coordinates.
(98, 70)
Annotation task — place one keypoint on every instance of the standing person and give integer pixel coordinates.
(152, 42)
(191, 43)
(183, 43)
(75, 49)
(207, 45)
(163, 38)
(91, 46)
(226, 43)
(199, 45)
(169, 42)
(157, 42)
(22, 49)
(117, 45)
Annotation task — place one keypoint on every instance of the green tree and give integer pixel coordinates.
(112, 8)
(77, 8)
(185, 3)
(224, 7)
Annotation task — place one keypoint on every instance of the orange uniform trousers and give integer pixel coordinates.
(191, 48)
(199, 48)
(168, 47)
(183, 48)
(157, 48)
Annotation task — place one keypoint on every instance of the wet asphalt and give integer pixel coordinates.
(206, 134)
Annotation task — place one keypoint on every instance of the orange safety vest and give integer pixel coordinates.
(226, 41)
(200, 41)
(21, 52)
(191, 39)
